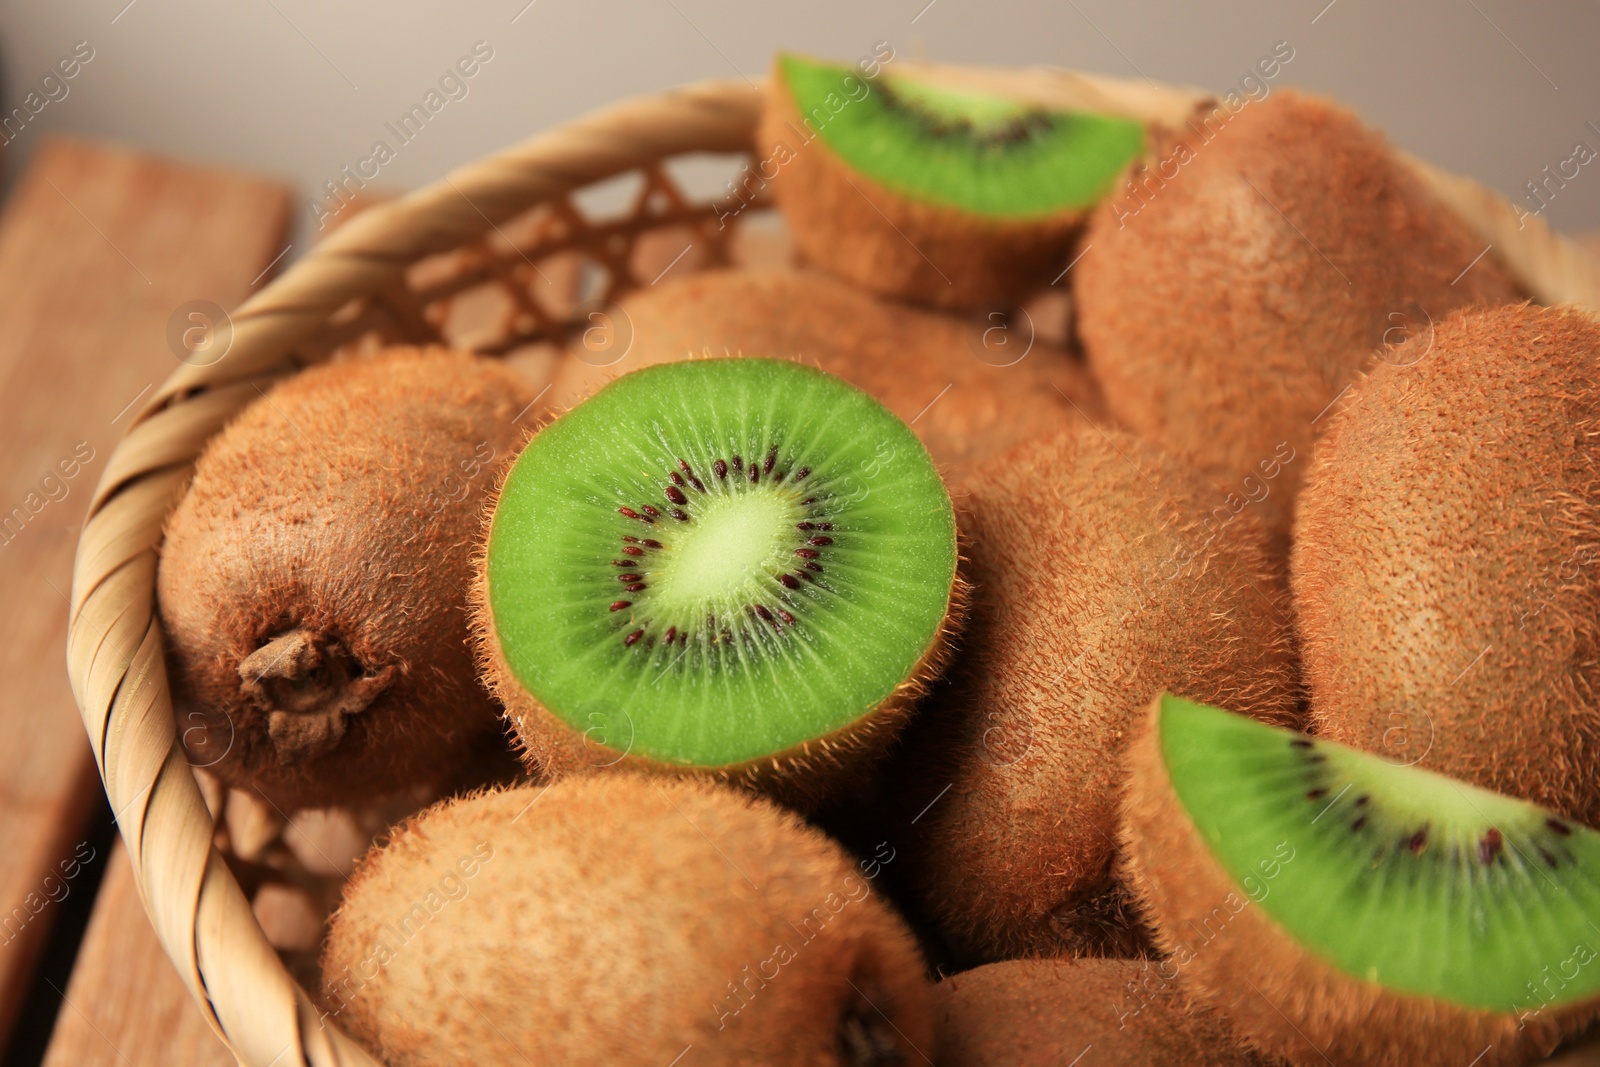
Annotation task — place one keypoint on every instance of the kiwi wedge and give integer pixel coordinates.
(1248, 271)
(743, 567)
(969, 390)
(1052, 1013)
(956, 199)
(1443, 565)
(620, 919)
(313, 579)
(1096, 585)
(1340, 908)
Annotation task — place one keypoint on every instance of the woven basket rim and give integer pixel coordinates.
(114, 646)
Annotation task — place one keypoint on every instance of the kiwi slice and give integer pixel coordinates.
(954, 198)
(739, 565)
(620, 919)
(1337, 905)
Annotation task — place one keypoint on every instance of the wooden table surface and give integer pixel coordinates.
(98, 247)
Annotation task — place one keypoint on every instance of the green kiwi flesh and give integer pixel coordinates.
(1387, 905)
(714, 562)
(1396, 845)
(973, 152)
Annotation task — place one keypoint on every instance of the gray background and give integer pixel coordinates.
(300, 88)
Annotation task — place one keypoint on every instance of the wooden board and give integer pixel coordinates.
(98, 247)
(125, 1005)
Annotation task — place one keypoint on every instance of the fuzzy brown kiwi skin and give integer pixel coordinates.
(891, 244)
(1444, 554)
(620, 919)
(1227, 354)
(1045, 1013)
(802, 777)
(1010, 772)
(965, 400)
(1299, 1009)
(323, 660)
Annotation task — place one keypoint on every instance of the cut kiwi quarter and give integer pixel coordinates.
(954, 198)
(743, 566)
(1342, 908)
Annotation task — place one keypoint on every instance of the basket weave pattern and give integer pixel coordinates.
(395, 273)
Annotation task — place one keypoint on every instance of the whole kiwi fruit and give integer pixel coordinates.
(1248, 270)
(621, 919)
(968, 389)
(1338, 908)
(1051, 1013)
(954, 198)
(313, 579)
(1444, 560)
(1096, 582)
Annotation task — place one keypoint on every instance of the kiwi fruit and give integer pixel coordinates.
(1095, 585)
(969, 389)
(1246, 273)
(1339, 908)
(313, 580)
(1444, 554)
(737, 567)
(622, 919)
(951, 198)
(1051, 1013)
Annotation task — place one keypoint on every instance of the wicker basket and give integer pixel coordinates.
(393, 274)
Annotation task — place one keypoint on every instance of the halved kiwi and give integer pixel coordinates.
(1339, 908)
(957, 199)
(736, 566)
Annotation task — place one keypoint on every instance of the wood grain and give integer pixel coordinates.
(125, 1005)
(98, 247)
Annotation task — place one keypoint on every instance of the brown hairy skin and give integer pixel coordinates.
(903, 357)
(622, 919)
(874, 237)
(1299, 1008)
(1223, 319)
(802, 777)
(1096, 585)
(1444, 560)
(313, 581)
(1048, 1013)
